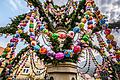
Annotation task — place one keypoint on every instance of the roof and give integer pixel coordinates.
(1, 50)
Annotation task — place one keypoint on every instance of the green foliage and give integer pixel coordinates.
(12, 28)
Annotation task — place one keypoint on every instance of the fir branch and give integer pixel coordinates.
(12, 28)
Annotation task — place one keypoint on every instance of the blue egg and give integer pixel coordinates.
(102, 21)
(11, 44)
(68, 53)
(90, 22)
(32, 34)
(76, 29)
(108, 41)
(17, 35)
(42, 27)
(36, 48)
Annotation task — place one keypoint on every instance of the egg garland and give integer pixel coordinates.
(87, 23)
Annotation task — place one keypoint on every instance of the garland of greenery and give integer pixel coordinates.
(12, 28)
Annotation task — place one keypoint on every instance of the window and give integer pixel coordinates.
(51, 78)
(73, 78)
(26, 70)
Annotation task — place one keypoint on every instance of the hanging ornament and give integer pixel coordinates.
(33, 43)
(43, 50)
(51, 53)
(114, 43)
(71, 34)
(76, 29)
(36, 47)
(20, 31)
(110, 37)
(31, 25)
(102, 21)
(42, 27)
(62, 35)
(90, 26)
(55, 36)
(107, 31)
(31, 29)
(59, 55)
(83, 20)
(68, 53)
(110, 46)
(45, 31)
(77, 49)
(8, 49)
(17, 35)
(82, 25)
(85, 37)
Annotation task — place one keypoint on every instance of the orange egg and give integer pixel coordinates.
(31, 30)
(8, 49)
(43, 50)
(90, 26)
(83, 20)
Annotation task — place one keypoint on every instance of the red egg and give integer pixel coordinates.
(77, 49)
(43, 50)
(62, 36)
(107, 31)
(90, 26)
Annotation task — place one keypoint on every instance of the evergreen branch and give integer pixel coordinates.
(12, 28)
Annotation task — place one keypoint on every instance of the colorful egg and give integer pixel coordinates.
(83, 20)
(8, 49)
(36, 47)
(77, 49)
(59, 56)
(20, 31)
(85, 37)
(107, 31)
(31, 26)
(33, 43)
(51, 53)
(76, 29)
(62, 36)
(31, 29)
(42, 27)
(110, 37)
(82, 25)
(71, 34)
(113, 43)
(55, 36)
(90, 26)
(68, 53)
(43, 50)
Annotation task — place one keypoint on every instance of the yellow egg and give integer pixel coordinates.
(118, 52)
(110, 46)
(110, 37)
(20, 31)
(8, 49)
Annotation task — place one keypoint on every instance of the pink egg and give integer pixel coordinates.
(59, 55)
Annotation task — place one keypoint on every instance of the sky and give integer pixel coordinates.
(11, 8)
